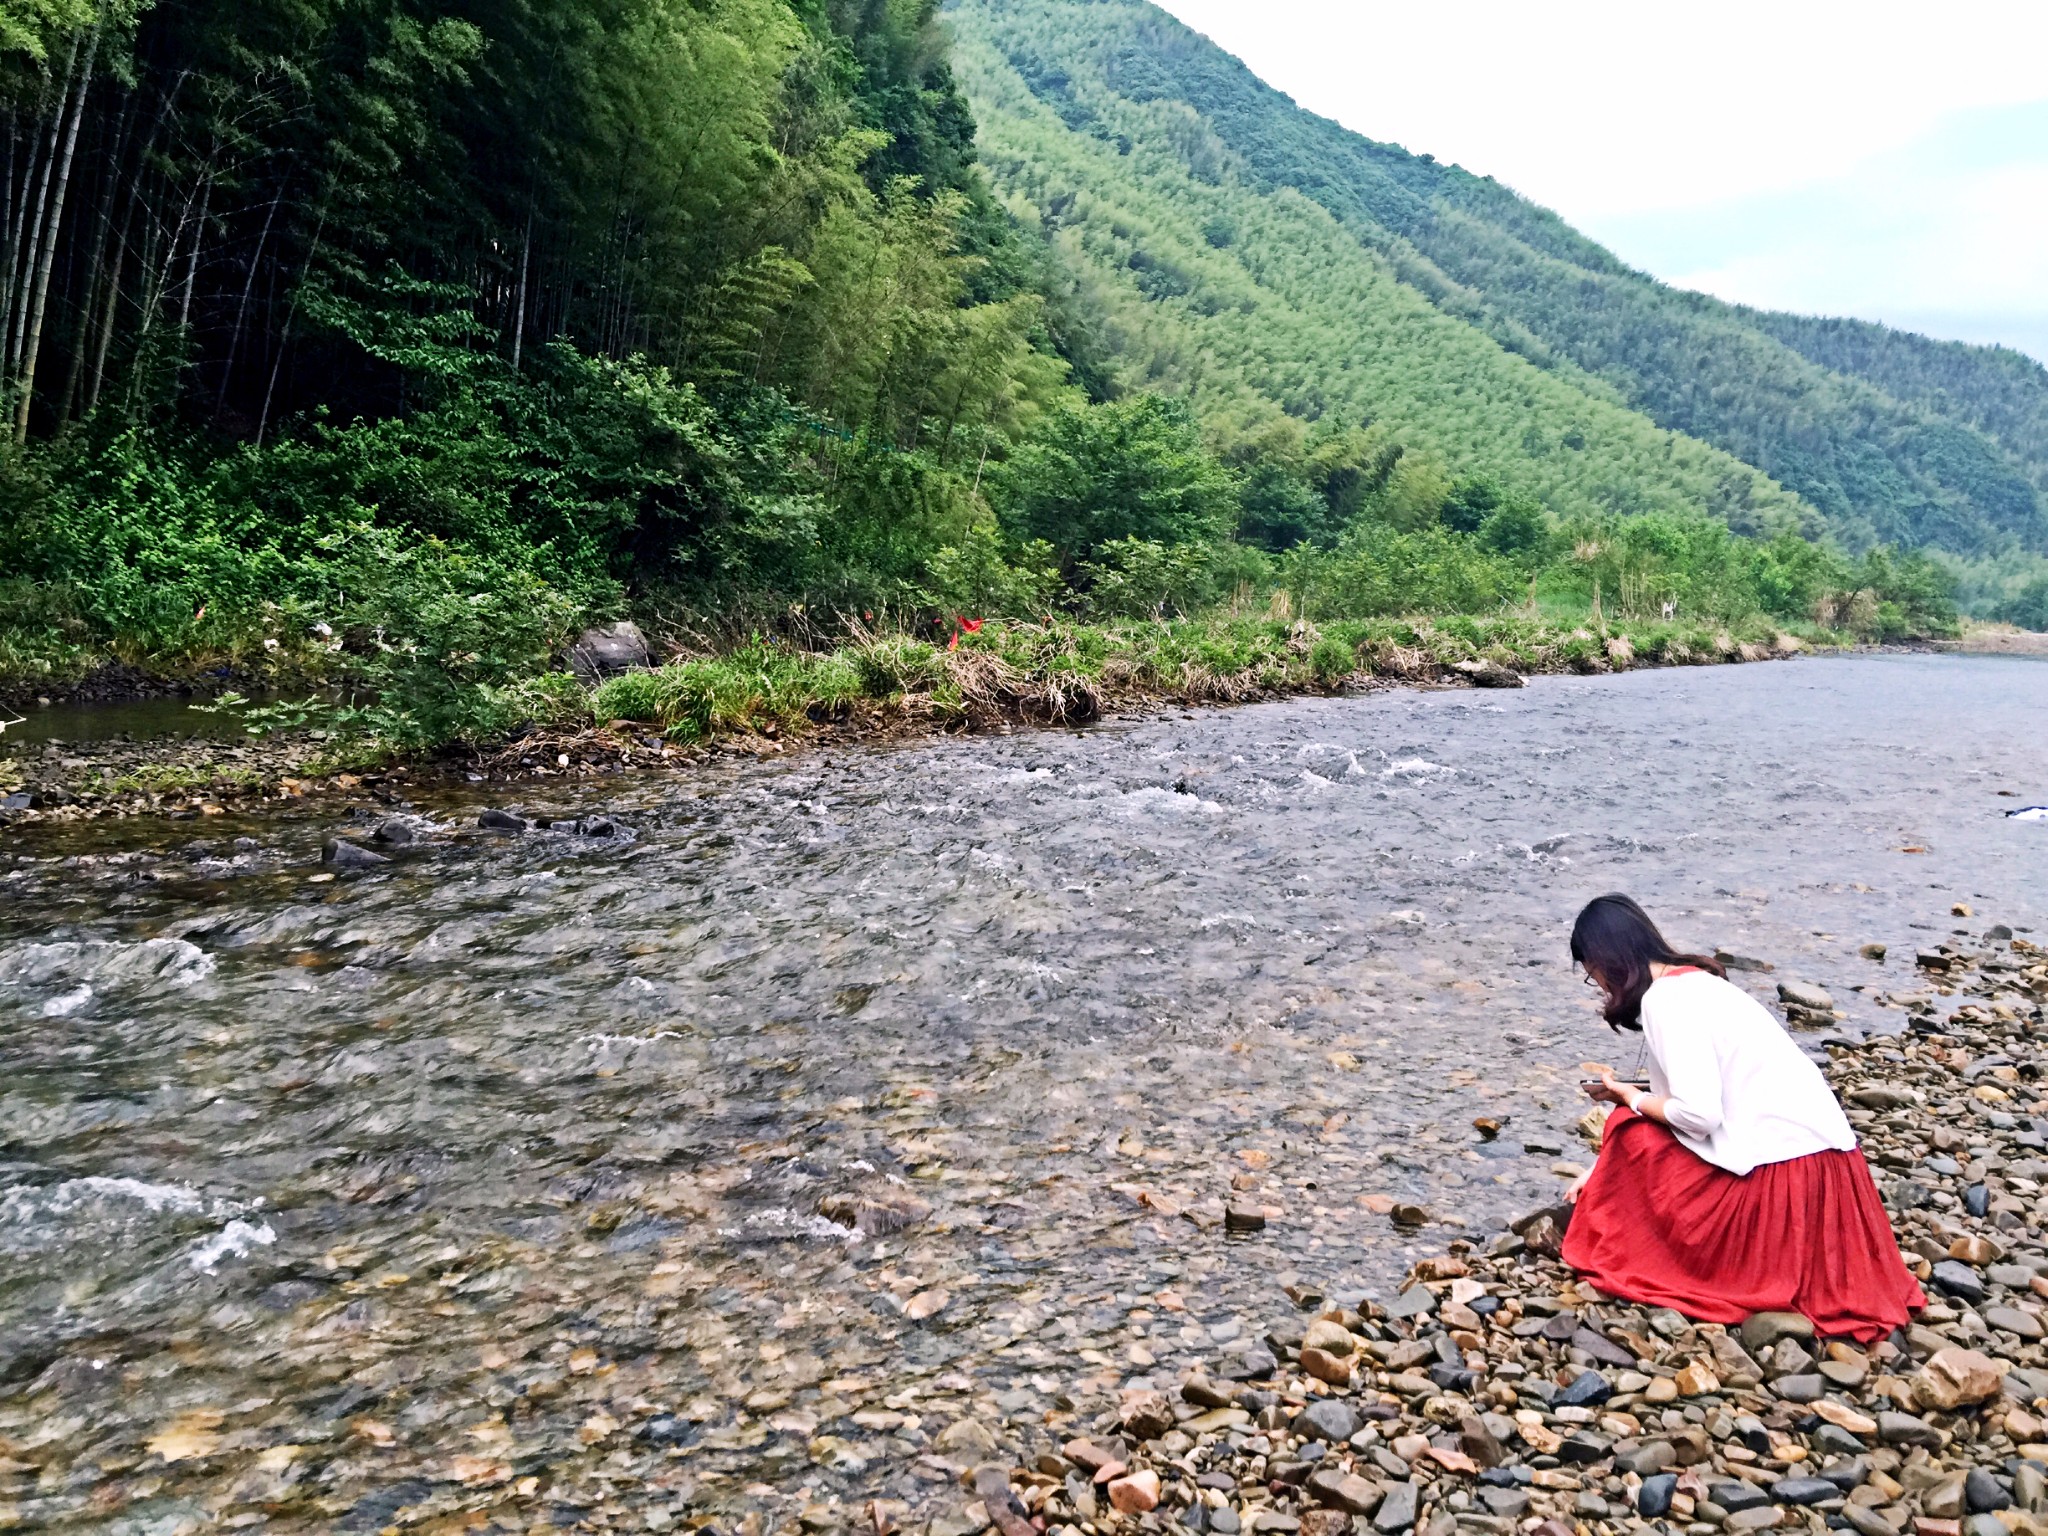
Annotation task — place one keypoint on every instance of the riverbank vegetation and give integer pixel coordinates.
(360, 355)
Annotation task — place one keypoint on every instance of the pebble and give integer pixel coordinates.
(1397, 1510)
(1653, 1499)
(1329, 1419)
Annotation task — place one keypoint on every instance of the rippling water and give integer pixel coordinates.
(514, 1177)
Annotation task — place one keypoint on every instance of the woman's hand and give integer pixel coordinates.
(1607, 1089)
(1577, 1186)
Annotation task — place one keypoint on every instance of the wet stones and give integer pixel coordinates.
(1145, 1414)
(1204, 1393)
(1244, 1217)
(873, 1215)
(495, 820)
(1804, 995)
(340, 853)
(1254, 1364)
(1483, 673)
(1497, 1396)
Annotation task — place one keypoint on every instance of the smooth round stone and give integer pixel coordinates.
(1735, 1497)
(1804, 1490)
(2013, 1320)
(1653, 1499)
(1763, 1329)
(1982, 1493)
(1328, 1419)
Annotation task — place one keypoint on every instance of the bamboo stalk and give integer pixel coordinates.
(96, 270)
(227, 370)
(19, 275)
(32, 347)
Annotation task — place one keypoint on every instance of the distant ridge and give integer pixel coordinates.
(1265, 259)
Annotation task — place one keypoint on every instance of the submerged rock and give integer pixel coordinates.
(340, 853)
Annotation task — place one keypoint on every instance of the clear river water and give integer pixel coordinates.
(513, 1182)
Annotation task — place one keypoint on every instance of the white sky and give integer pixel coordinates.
(1880, 159)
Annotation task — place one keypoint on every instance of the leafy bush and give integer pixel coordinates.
(2029, 609)
(1092, 475)
(1141, 579)
(1332, 659)
(887, 665)
(629, 696)
(1378, 570)
(984, 575)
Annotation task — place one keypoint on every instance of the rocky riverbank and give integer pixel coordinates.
(1004, 678)
(1494, 1394)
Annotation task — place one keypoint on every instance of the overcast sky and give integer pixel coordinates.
(1880, 159)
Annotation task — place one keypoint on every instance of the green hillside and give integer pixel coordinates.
(1113, 113)
(1264, 307)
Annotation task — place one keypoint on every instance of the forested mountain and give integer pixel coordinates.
(386, 343)
(1108, 116)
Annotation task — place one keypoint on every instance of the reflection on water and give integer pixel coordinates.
(735, 1164)
(81, 724)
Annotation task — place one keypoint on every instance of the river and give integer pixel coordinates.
(505, 1179)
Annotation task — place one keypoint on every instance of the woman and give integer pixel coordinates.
(1733, 1184)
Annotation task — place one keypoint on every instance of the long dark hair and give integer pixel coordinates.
(1617, 943)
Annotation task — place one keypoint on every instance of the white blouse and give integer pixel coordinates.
(1738, 1091)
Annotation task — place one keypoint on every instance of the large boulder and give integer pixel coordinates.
(608, 648)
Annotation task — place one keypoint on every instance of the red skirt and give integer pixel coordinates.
(1659, 1225)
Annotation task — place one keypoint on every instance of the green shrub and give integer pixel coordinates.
(985, 576)
(888, 665)
(1142, 578)
(629, 696)
(1332, 660)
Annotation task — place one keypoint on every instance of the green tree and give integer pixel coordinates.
(1129, 469)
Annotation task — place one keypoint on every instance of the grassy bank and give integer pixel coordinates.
(766, 696)
(1063, 673)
